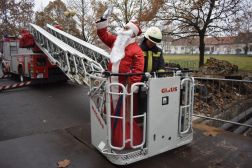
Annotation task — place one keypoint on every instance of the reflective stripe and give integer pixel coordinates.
(157, 55)
(144, 53)
(161, 70)
(149, 68)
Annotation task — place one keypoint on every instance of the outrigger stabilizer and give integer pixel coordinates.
(3, 88)
(167, 123)
(5, 76)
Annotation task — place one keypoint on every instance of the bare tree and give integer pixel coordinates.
(15, 16)
(244, 23)
(200, 18)
(84, 18)
(141, 11)
(54, 11)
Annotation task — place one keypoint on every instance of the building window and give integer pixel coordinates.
(182, 48)
(176, 48)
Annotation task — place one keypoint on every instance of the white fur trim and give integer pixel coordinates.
(133, 27)
(102, 25)
(118, 50)
(131, 40)
(114, 79)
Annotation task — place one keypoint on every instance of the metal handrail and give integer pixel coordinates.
(190, 109)
(137, 116)
(109, 116)
(192, 98)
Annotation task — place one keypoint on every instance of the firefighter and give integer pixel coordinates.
(154, 61)
(55, 23)
(153, 56)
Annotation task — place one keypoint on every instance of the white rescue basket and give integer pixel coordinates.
(167, 125)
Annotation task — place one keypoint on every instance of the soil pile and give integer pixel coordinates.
(214, 66)
(172, 65)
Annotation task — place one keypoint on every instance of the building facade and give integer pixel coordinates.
(215, 45)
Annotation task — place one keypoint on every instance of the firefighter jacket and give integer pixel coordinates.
(153, 57)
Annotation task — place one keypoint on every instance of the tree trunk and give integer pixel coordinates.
(201, 48)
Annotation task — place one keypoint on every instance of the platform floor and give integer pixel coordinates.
(211, 147)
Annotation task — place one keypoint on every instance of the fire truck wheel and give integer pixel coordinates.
(21, 75)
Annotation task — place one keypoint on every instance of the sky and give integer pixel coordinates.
(40, 4)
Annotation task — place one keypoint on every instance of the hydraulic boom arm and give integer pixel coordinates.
(72, 62)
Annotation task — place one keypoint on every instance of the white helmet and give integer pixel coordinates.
(154, 35)
(55, 22)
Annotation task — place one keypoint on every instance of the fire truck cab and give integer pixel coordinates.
(28, 62)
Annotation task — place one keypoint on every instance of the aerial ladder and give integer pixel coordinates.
(97, 54)
(169, 99)
(75, 64)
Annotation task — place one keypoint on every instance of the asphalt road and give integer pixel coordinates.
(41, 108)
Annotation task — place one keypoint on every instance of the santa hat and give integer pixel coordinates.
(133, 26)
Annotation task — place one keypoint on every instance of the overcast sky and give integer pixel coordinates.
(40, 4)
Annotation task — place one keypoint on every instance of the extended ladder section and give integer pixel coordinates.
(72, 62)
(95, 53)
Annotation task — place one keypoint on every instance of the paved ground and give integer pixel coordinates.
(41, 108)
(226, 150)
(46, 150)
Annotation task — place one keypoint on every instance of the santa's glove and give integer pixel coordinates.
(135, 89)
(108, 12)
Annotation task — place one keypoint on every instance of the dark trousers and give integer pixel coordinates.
(142, 103)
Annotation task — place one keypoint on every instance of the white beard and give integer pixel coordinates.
(118, 52)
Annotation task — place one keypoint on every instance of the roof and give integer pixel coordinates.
(207, 40)
(244, 38)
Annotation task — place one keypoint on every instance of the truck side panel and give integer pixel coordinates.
(26, 71)
(14, 63)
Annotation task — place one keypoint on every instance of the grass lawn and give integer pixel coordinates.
(243, 62)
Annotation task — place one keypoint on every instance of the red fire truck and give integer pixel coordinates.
(29, 62)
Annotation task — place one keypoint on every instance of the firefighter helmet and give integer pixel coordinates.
(55, 23)
(154, 35)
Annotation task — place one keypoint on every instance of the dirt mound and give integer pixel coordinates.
(172, 65)
(214, 66)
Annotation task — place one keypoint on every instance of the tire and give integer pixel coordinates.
(2, 67)
(21, 75)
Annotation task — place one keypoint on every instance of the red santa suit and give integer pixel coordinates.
(131, 50)
(121, 59)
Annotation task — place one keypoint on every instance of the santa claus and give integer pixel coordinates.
(124, 52)
(124, 49)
